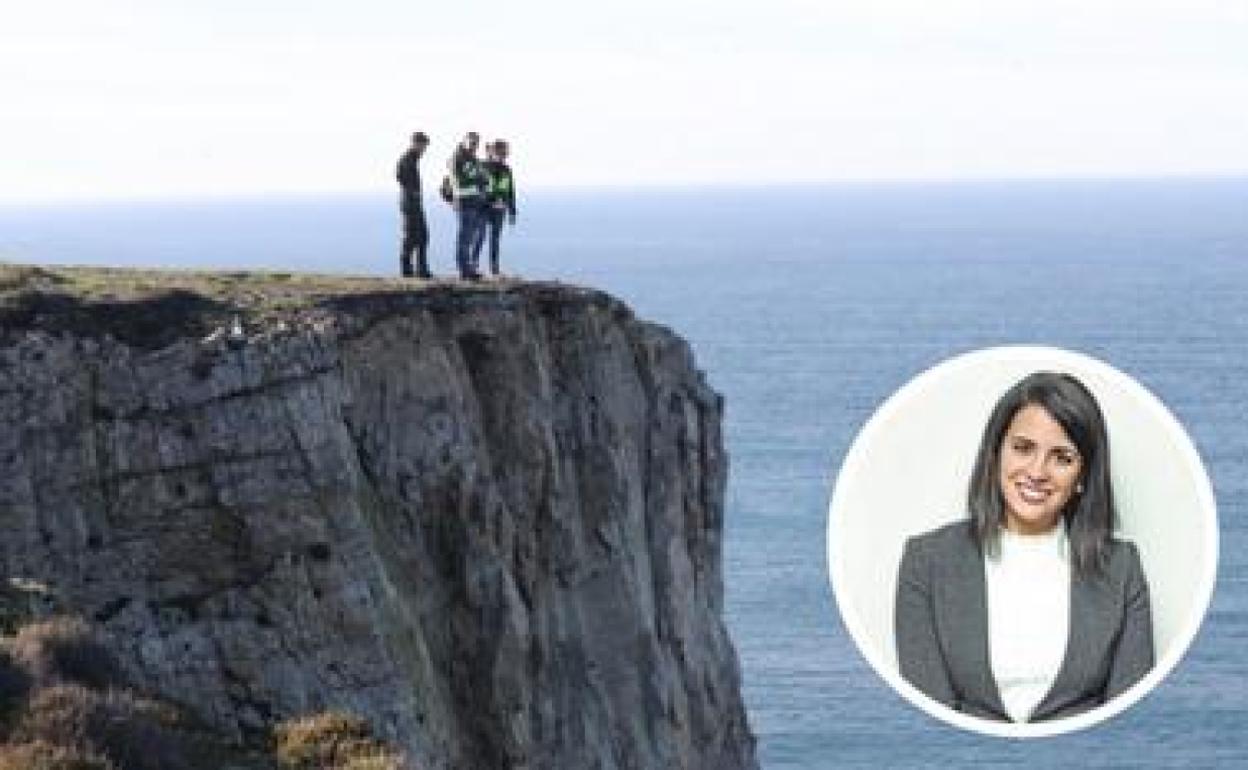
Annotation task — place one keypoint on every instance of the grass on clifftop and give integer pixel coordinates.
(151, 308)
(252, 291)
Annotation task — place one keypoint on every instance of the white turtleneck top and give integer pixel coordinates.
(1028, 591)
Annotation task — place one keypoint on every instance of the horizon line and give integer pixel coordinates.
(611, 188)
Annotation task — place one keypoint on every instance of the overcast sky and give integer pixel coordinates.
(155, 98)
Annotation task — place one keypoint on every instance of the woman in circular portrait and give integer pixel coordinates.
(1029, 609)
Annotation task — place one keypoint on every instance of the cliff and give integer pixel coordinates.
(485, 518)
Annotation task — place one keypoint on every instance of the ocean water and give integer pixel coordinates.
(807, 307)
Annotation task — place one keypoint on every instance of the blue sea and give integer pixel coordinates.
(807, 307)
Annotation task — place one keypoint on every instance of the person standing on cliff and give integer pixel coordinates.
(501, 200)
(468, 183)
(415, 228)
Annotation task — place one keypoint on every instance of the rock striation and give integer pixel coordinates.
(487, 519)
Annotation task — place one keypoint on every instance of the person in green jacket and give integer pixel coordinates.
(500, 200)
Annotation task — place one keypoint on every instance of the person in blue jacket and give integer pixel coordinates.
(469, 191)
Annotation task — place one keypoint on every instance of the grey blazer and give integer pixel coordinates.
(942, 628)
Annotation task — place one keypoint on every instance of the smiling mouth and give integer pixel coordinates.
(1031, 494)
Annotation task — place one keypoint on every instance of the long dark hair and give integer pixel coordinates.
(1089, 515)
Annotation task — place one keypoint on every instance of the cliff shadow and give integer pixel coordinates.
(150, 322)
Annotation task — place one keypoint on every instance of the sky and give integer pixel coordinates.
(120, 99)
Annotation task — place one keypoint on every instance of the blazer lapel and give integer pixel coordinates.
(980, 685)
(1091, 622)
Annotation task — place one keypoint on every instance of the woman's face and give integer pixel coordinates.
(1040, 469)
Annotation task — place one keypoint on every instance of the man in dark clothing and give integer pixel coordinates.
(501, 199)
(415, 229)
(469, 185)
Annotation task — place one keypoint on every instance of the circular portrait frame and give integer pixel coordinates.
(907, 472)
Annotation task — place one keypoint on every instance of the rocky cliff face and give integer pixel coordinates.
(488, 520)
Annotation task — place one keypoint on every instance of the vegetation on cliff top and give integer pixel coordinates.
(152, 308)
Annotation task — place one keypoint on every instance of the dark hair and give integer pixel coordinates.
(420, 137)
(1089, 515)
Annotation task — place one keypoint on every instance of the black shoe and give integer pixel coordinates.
(406, 272)
(471, 275)
(424, 275)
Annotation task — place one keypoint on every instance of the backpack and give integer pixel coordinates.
(446, 190)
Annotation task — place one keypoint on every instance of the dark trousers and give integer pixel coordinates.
(493, 227)
(471, 221)
(415, 239)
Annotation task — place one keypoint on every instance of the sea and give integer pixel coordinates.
(807, 306)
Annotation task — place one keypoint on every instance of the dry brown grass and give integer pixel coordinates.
(150, 309)
(332, 741)
(40, 755)
(248, 290)
(135, 733)
(54, 722)
(65, 649)
(62, 707)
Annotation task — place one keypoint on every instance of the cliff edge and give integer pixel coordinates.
(485, 518)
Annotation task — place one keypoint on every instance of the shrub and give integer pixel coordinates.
(135, 733)
(65, 650)
(380, 761)
(40, 755)
(331, 740)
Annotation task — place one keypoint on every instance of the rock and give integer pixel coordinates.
(488, 520)
(23, 601)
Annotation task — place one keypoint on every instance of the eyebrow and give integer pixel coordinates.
(1064, 447)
